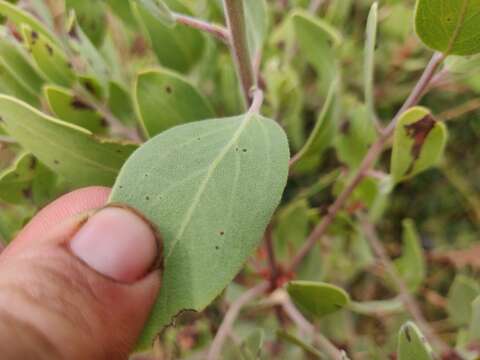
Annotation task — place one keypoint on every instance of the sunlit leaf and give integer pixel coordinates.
(210, 187)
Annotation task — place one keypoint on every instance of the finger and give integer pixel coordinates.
(83, 290)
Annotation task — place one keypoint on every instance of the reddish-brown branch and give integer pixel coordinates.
(374, 152)
(217, 31)
(407, 299)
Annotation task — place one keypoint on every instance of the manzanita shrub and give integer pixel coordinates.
(281, 150)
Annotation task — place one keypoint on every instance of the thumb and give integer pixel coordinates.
(83, 290)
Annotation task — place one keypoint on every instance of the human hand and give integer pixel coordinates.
(77, 283)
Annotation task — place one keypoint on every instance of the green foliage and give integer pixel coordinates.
(164, 99)
(411, 265)
(73, 152)
(449, 26)
(412, 344)
(211, 193)
(461, 295)
(115, 73)
(317, 299)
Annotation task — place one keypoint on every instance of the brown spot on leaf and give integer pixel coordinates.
(90, 88)
(49, 49)
(407, 334)
(27, 193)
(33, 164)
(345, 127)
(168, 89)
(56, 162)
(34, 35)
(79, 104)
(222, 233)
(103, 122)
(73, 33)
(418, 132)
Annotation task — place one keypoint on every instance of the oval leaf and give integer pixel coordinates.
(68, 150)
(160, 10)
(419, 143)
(449, 26)
(412, 344)
(316, 298)
(178, 48)
(70, 108)
(19, 17)
(50, 59)
(369, 60)
(210, 187)
(165, 99)
(91, 16)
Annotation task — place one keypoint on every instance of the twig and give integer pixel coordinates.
(231, 316)
(257, 101)
(373, 153)
(315, 5)
(321, 341)
(407, 299)
(235, 16)
(469, 106)
(272, 262)
(217, 31)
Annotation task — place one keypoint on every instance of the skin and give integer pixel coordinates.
(55, 306)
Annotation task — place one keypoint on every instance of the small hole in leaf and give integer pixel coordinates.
(244, 150)
(222, 233)
(217, 247)
(168, 89)
(147, 198)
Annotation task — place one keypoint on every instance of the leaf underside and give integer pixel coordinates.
(210, 187)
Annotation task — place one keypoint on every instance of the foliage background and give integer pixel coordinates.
(443, 203)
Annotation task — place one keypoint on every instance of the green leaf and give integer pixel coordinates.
(411, 265)
(92, 18)
(419, 143)
(317, 41)
(449, 26)
(120, 103)
(27, 181)
(321, 136)
(68, 150)
(316, 298)
(165, 99)
(10, 85)
(461, 295)
(178, 48)
(14, 59)
(369, 61)
(19, 17)
(210, 187)
(412, 344)
(474, 330)
(355, 136)
(70, 108)
(50, 59)
(295, 340)
(257, 20)
(159, 10)
(86, 52)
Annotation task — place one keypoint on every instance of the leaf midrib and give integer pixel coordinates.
(203, 185)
